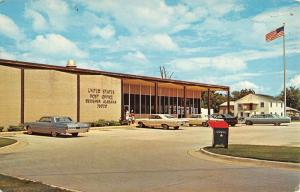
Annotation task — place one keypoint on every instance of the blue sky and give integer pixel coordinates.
(208, 41)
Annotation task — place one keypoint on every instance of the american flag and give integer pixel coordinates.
(275, 34)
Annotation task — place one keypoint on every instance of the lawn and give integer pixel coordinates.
(6, 141)
(12, 184)
(272, 153)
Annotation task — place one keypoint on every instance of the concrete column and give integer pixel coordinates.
(122, 100)
(208, 101)
(228, 101)
(184, 102)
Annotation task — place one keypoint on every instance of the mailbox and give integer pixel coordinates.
(220, 133)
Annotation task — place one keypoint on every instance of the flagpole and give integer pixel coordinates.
(284, 72)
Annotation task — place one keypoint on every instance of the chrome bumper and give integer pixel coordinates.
(74, 130)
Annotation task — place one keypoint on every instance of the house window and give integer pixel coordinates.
(271, 104)
(281, 105)
(262, 104)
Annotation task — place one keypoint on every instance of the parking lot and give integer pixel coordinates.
(141, 159)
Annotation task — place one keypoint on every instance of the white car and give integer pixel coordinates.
(162, 120)
(200, 120)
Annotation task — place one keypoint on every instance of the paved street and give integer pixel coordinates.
(137, 159)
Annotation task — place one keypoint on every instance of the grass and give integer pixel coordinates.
(272, 153)
(6, 141)
(12, 184)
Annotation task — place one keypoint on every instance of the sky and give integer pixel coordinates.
(206, 41)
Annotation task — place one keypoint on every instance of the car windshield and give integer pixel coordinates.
(63, 120)
(169, 116)
(227, 116)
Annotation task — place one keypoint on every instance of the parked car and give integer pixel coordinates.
(162, 120)
(226, 117)
(56, 125)
(267, 119)
(199, 120)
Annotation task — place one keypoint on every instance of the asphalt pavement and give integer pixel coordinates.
(141, 159)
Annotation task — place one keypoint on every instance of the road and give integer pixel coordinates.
(140, 159)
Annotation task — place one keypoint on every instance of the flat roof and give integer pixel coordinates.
(29, 65)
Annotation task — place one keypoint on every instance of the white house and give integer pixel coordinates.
(252, 104)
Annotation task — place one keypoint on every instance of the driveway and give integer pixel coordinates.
(138, 159)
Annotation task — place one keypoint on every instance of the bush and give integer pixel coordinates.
(113, 123)
(103, 123)
(15, 128)
(1, 129)
(99, 123)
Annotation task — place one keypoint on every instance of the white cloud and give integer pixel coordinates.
(57, 13)
(9, 28)
(156, 42)
(146, 16)
(295, 81)
(136, 57)
(39, 22)
(106, 33)
(246, 85)
(6, 55)
(55, 45)
(219, 63)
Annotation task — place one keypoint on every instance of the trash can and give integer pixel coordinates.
(220, 132)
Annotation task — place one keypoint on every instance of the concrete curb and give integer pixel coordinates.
(13, 147)
(11, 133)
(30, 180)
(265, 163)
(112, 127)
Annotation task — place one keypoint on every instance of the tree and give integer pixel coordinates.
(292, 97)
(239, 94)
(216, 99)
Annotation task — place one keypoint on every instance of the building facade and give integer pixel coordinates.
(32, 90)
(253, 104)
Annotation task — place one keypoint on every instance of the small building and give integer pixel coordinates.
(253, 104)
(31, 90)
(293, 113)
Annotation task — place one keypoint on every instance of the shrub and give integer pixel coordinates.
(113, 123)
(1, 129)
(100, 123)
(103, 123)
(15, 128)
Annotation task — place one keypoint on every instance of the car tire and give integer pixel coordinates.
(74, 134)
(232, 125)
(276, 124)
(205, 124)
(176, 128)
(190, 125)
(54, 134)
(29, 130)
(165, 126)
(141, 124)
(248, 123)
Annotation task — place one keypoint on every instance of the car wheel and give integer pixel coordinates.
(204, 124)
(165, 126)
(177, 127)
(249, 123)
(29, 131)
(141, 125)
(54, 134)
(190, 125)
(276, 124)
(232, 124)
(74, 134)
